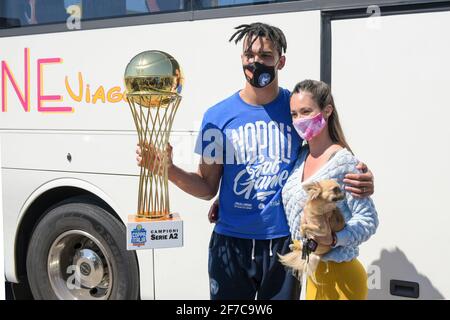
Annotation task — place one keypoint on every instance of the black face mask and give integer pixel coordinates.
(262, 75)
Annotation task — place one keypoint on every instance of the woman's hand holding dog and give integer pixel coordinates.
(326, 240)
(322, 236)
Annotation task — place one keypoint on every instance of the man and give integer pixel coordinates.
(248, 146)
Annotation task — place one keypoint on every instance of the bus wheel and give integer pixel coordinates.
(78, 251)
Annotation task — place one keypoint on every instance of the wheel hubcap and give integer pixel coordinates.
(79, 267)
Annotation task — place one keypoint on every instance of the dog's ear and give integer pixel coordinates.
(314, 189)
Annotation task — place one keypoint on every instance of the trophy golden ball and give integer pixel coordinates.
(153, 78)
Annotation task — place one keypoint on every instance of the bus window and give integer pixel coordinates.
(28, 12)
(166, 5)
(94, 9)
(46, 11)
(137, 7)
(25, 12)
(16, 13)
(11, 13)
(205, 4)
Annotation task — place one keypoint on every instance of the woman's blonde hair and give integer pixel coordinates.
(321, 94)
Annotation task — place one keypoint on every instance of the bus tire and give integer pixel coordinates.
(78, 251)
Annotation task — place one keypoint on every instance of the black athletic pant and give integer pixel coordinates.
(248, 269)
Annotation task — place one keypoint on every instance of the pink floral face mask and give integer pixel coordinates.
(310, 127)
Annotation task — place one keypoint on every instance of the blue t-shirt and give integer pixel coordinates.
(257, 146)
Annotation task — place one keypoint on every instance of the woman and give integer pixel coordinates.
(327, 156)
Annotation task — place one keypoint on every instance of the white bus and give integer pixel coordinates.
(68, 171)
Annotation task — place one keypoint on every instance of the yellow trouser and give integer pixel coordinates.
(338, 281)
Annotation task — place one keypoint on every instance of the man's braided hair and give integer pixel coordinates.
(255, 30)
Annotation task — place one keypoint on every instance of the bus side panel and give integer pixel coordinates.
(84, 70)
(121, 189)
(22, 177)
(391, 88)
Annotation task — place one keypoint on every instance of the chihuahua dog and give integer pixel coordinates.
(321, 216)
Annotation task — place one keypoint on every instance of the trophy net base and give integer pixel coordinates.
(154, 215)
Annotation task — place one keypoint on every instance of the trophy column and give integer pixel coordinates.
(153, 80)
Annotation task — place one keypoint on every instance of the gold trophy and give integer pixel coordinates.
(154, 82)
